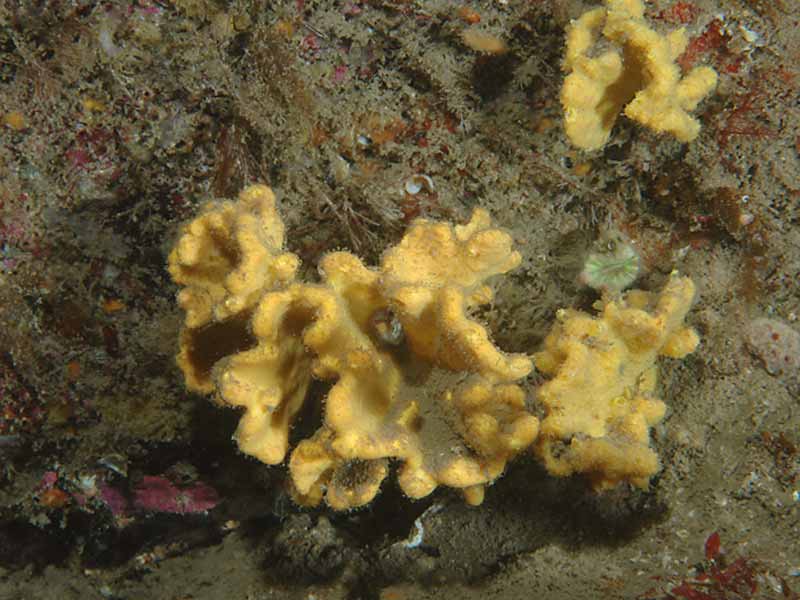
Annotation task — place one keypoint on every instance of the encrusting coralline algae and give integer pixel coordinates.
(778, 347)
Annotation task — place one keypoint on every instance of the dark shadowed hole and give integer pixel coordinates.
(22, 544)
(491, 75)
(209, 344)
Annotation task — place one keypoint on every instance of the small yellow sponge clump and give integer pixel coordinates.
(644, 81)
(225, 259)
(413, 377)
(600, 402)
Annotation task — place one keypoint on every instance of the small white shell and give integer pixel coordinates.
(417, 182)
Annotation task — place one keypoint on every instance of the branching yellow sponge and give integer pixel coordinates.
(643, 81)
(600, 402)
(414, 377)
